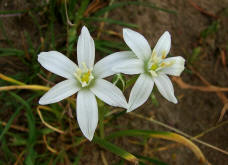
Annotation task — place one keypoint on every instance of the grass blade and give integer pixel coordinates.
(72, 31)
(115, 149)
(11, 52)
(77, 159)
(151, 160)
(13, 116)
(30, 159)
(163, 135)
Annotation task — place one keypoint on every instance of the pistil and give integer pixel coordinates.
(84, 75)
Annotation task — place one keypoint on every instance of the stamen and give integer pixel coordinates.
(154, 57)
(163, 54)
(156, 64)
(84, 75)
(84, 66)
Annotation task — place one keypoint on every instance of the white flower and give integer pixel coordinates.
(153, 67)
(86, 79)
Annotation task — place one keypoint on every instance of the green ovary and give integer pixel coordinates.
(85, 77)
(154, 67)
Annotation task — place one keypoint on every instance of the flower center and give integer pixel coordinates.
(154, 67)
(84, 75)
(157, 63)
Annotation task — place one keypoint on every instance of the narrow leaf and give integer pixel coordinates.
(162, 135)
(115, 149)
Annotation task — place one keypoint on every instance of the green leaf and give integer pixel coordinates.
(3, 31)
(111, 44)
(154, 99)
(213, 28)
(131, 81)
(115, 149)
(162, 135)
(13, 116)
(195, 54)
(9, 156)
(76, 160)
(30, 159)
(72, 31)
(13, 12)
(104, 50)
(11, 52)
(151, 160)
(119, 81)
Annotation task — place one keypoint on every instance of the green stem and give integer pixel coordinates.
(101, 121)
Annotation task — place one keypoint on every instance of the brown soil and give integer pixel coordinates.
(196, 111)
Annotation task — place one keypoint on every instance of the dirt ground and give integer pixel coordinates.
(196, 111)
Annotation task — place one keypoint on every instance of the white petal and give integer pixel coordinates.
(85, 49)
(165, 87)
(163, 45)
(137, 43)
(140, 91)
(59, 92)
(57, 63)
(103, 68)
(109, 93)
(87, 113)
(177, 66)
(131, 66)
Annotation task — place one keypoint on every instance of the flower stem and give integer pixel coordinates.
(101, 121)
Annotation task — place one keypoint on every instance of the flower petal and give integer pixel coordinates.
(163, 45)
(87, 113)
(57, 63)
(59, 92)
(85, 49)
(103, 68)
(140, 92)
(131, 66)
(165, 87)
(137, 43)
(176, 67)
(109, 93)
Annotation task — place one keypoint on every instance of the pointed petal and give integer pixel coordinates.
(109, 93)
(163, 45)
(103, 68)
(177, 66)
(140, 92)
(57, 63)
(165, 87)
(137, 43)
(59, 92)
(87, 113)
(85, 49)
(132, 66)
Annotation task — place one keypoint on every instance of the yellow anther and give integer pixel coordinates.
(163, 64)
(163, 54)
(84, 75)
